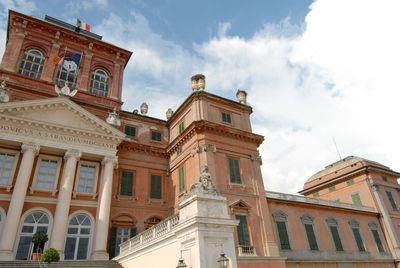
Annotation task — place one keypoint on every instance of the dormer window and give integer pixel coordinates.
(99, 84)
(32, 63)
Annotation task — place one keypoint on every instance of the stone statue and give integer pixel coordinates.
(113, 119)
(204, 185)
(144, 108)
(4, 96)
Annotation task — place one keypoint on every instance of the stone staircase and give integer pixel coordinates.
(61, 264)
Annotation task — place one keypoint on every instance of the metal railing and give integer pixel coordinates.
(246, 251)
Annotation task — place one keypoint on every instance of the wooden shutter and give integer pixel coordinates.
(126, 183)
(378, 241)
(336, 238)
(181, 127)
(113, 242)
(243, 231)
(356, 199)
(357, 237)
(181, 179)
(391, 200)
(234, 171)
(283, 235)
(155, 189)
(312, 240)
(133, 232)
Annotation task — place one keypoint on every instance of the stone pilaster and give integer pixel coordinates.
(10, 229)
(103, 209)
(57, 239)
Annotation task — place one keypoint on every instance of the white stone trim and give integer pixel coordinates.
(96, 178)
(3, 218)
(14, 167)
(53, 191)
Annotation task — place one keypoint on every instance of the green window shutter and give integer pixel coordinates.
(113, 242)
(181, 127)
(234, 171)
(126, 183)
(283, 235)
(391, 200)
(336, 238)
(243, 231)
(155, 136)
(312, 240)
(378, 240)
(356, 199)
(155, 189)
(181, 179)
(130, 131)
(133, 232)
(357, 237)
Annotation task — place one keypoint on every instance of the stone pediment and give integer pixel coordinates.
(58, 119)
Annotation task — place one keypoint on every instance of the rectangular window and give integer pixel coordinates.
(155, 136)
(357, 237)
(378, 240)
(356, 199)
(312, 240)
(130, 131)
(332, 188)
(243, 231)
(179, 150)
(391, 200)
(350, 182)
(181, 127)
(6, 167)
(155, 187)
(234, 171)
(384, 178)
(87, 177)
(336, 238)
(126, 183)
(46, 174)
(283, 234)
(226, 118)
(181, 179)
(316, 194)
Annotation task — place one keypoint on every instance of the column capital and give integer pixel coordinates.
(30, 146)
(110, 159)
(72, 153)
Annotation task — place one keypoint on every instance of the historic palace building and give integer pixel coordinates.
(75, 165)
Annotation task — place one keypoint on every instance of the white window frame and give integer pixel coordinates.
(92, 227)
(16, 154)
(96, 177)
(53, 191)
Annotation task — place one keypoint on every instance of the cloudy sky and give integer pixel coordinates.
(315, 71)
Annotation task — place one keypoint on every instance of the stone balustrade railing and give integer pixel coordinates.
(246, 251)
(146, 237)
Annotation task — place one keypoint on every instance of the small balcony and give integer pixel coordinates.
(246, 251)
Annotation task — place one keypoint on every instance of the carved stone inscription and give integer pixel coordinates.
(31, 132)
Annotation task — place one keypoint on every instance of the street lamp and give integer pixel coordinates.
(181, 263)
(223, 261)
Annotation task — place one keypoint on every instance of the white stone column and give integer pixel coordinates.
(10, 229)
(57, 239)
(103, 209)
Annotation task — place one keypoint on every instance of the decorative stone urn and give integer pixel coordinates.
(242, 96)
(198, 82)
(113, 119)
(144, 108)
(169, 113)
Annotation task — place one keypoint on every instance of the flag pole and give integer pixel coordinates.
(60, 68)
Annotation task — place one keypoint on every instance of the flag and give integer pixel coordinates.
(82, 25)
(57, 60)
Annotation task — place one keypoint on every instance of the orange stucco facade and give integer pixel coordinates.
(139, 179)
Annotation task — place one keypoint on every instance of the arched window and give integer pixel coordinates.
(78, 237)
(34, 222)
(151, 221)
(32, 63)
(99, 83)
